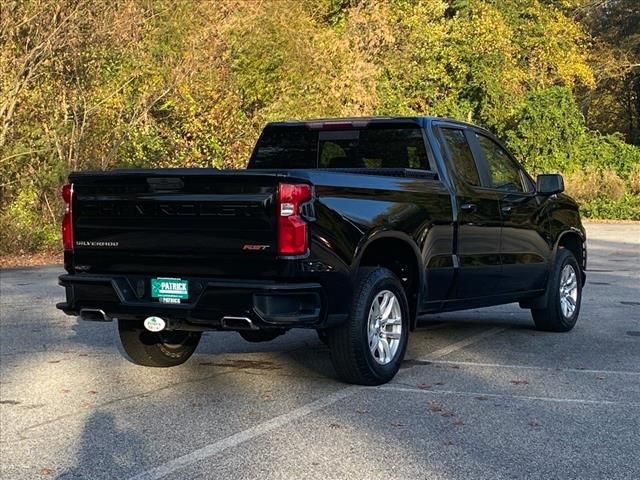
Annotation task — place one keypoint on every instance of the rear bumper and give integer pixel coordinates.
(267, 304)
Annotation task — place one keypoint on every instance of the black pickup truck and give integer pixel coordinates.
(352, 227)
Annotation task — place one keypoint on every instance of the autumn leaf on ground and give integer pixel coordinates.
(46, 471)
(433, 406)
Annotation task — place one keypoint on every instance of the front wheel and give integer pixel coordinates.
(368, 349)
(155, 349)
(564, 296)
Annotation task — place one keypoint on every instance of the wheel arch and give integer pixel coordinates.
(575, 242)
(398, 252)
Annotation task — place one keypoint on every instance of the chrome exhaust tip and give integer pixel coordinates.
(238, 323)
(93, 315)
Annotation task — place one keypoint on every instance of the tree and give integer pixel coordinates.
(614, 105)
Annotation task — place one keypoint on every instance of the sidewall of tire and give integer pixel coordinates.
(551, 318)
(388, 371)
(349, 343)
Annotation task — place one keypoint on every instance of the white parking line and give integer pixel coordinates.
(243, 436)
(392, 388)
(236, 439)
(533, 367)
(461, 344)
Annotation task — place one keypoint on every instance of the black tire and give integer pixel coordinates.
(552, 318)
(257, 336)
(155, 349)
(349, 343)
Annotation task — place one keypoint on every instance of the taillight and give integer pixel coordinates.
(67, 220)
(292, 228)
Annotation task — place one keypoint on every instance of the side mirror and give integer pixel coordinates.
(549, 184)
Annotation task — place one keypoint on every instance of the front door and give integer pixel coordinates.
(524, 250)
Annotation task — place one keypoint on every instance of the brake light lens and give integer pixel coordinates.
(67, 220)
(293, 236)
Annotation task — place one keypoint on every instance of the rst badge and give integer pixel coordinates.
(255, 248)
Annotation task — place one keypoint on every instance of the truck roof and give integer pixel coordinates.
(362, 121)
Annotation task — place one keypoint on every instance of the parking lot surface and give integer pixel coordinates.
(481, 395)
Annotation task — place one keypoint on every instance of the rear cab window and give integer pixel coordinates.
(374, 146)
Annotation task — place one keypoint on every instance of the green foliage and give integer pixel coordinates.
(148, 83)
(547, 131)
(21, 225)
(628, 207)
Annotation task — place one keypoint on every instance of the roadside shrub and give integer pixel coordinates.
(548, 131)
(607, 152)
(592, 183)
(604, 194)
(22, 227)
(627, 207)
(634, 180)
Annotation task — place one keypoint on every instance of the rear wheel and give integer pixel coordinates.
(155, 349)
(368, 349)
(564, 295)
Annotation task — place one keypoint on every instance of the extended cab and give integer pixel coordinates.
(352, 227)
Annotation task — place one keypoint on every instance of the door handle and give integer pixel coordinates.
(507, 209)
(468, 207)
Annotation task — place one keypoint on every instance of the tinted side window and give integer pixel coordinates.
(504, 173)
(462, 156)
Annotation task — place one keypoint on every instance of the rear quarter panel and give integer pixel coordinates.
(354, 210)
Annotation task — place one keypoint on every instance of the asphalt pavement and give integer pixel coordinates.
(481, 395)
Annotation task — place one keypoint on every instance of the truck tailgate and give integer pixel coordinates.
(191, 221)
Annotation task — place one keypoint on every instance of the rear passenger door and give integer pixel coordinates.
(524, 250)
(478, 217)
